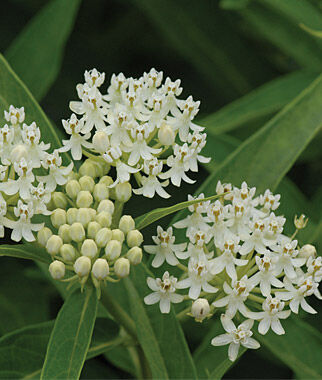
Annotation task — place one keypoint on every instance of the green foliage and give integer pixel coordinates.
(71, 336)
(29, 55)
(25, 251)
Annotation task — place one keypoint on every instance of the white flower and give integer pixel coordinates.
(35, 148)
(217, 213)
(118, 84)
(120, 123)
(197, 247)
(256, 240)
(199, 277)
(94, 78)
(238, 216)
(23, 227)
(15, 115)
(225, 188)
(236, 296)
(163, 292)
(4, 222)
(40, 196)
(314, 268)
(6, 140)
(266, 275)
(165, 249)
(235, 336)
(270, 317)
(198, 142)
(269, 201)
(3, 172)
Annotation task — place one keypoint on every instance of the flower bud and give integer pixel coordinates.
(77, 232)
(57, 270)
(59, 199)
(104, 218)
(101, 168)
(200, 309)
(103, 236)
(118, 235)
(73, 175)
(126, 223)
(106, 180)
(123, 191)
(89, 248)
(54, 244)
(18, 152)
(58, 217)
(300, 222)
(68, 252)
(82, 266)
(101, 192)
(72, 215)
(84, 199)
(100, 269)
(113, 250)
(92, 229)
(84, 216)
(308, 250)
(134, 238)
(87, 183)
(43, 235)
(73, 188)
(87, 168)
(100, 141)
(63, 232)
(135, 255)
(106, 205)
(166, 134)
(122, 267)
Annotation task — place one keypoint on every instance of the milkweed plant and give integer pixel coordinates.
(231, 259)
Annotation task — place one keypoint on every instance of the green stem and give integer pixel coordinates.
(117, 213)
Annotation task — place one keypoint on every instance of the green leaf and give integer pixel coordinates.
(71, 336)
(263, 101)
(316, 33)
(25, 251)
(299, 348)
(23, 351)
(264, 158)
(144, 220)
(13, 91)
(36, 54)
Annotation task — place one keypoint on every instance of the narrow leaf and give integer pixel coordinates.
(25, 251)
(36, 53)
(71, 336)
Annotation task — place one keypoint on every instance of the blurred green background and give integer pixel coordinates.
(222, 51)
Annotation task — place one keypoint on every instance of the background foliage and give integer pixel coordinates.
(256, 72)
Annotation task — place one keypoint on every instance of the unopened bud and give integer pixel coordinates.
(43, 235)
(135, 255)
(59, 199)
(54, 244)
(106, 180)
(134, 238)
(63, 232)
(87, 183)
(106, 205)
(100, 141)
(103, 236)
(72, 215)
(77, 232)
(92, 229)
(308, 250)
(100, 269)
(73, 188)
(84, 216)
(68, 252)
(300, 222)
(200, 309)
(118, 235)
(87, 168)
(126, 223)
(82, 266)
(84, 199)
(122, 267)
(57, 270)
(113, 250)
(101, 192)
(166, 135)
(89, 248)
(104, 218)
(123, 191)
(101, 167)
(58, 217)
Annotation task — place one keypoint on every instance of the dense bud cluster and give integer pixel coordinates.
(240, 262)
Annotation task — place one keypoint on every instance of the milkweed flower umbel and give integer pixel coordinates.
(236, 258)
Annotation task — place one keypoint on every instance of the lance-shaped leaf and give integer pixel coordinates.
(25, 251)
(36, 54)
(71, 336)
(13, 91)
(154, 215)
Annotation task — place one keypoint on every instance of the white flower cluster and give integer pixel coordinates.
(88, 236)
(139, 126)
(23, 193)
(239, 261)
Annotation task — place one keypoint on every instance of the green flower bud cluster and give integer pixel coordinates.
(86, 237)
